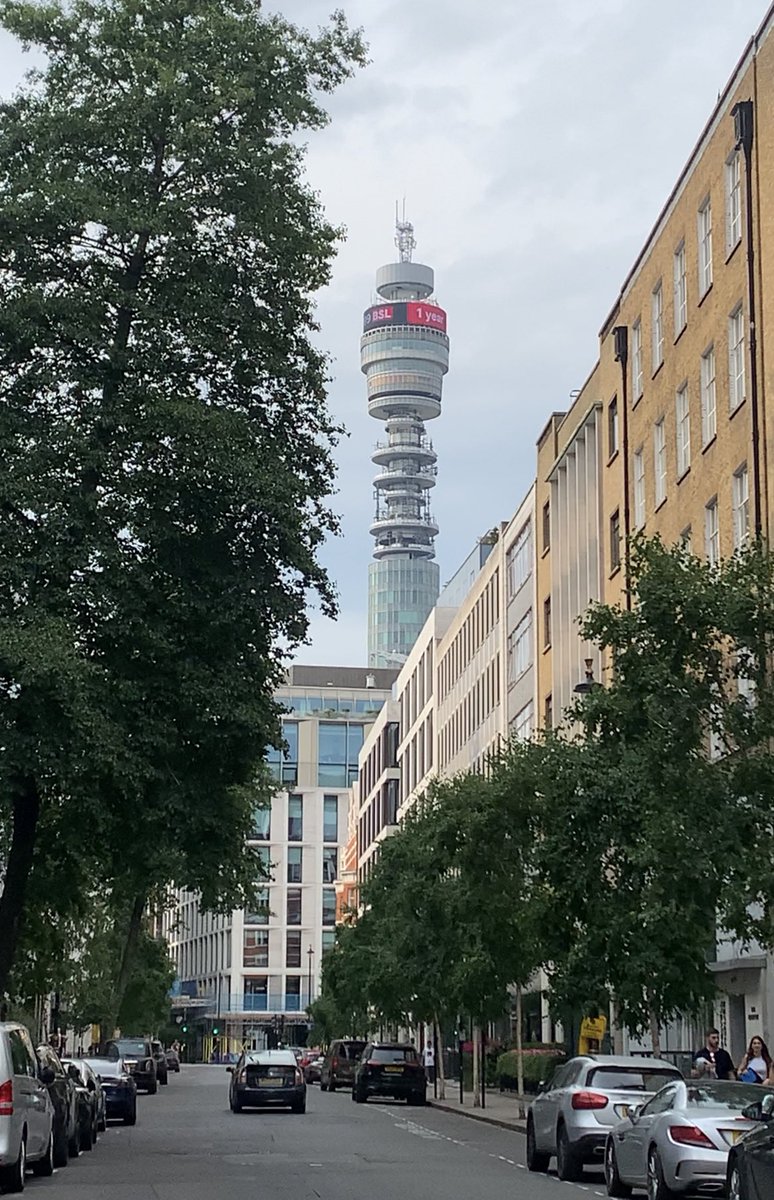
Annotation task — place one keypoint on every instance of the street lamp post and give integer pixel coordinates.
(310, 960)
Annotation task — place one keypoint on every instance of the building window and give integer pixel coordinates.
(741, 507)
(294, 906)
(639, 488)
(294, 864)
(255, 948)
(295, 818)
(547, 622)
(520, 648)
(637, 372)
(660, 460)
(328, 940)
(712, 532)
(615, 541)
(259, 913)
(283, 764)
(292, 993)
(680, 290)
(519, 560)
(546, 525)
(548, 712)
(733, 201)
(686, 540)
(612, 427)
(329, 906)
(683, 430)
(709, 415)
(293, 948)
(261, 831)
(736, 381)
(705, 247)
(330, 818)
(657, 326)
(523, 723)
(339, 744)
(331, 861)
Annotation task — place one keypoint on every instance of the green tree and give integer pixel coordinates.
(166, 440)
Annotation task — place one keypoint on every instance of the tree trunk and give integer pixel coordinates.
(655, 1034)
(25, 810)
(519, 1044)
(127, 962)
(476, 1066)
(617, 1031)
(440, 1069)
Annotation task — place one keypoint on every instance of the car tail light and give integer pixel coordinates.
(334, 1064)
(6, 1098)
(299, 1076)
(690, 1135)
(242, 1076)
(589, 1100)
(373, 1062)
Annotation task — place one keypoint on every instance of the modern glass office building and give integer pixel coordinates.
(404, 354)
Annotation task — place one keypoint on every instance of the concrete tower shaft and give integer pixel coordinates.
(404, 354)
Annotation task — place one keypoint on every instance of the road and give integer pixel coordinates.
(187, 1145)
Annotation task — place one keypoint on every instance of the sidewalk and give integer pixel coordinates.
(502, 1108)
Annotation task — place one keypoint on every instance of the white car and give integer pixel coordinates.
(26, 1111)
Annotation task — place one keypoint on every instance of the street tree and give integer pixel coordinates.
(166, 438)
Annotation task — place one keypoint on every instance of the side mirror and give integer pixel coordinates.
(229, 1070)
(541, 1087)
(767, 1107)
(634, 1113)
(46, 1075)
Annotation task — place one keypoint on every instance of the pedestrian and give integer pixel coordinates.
(755, 1067)
(712, 1060)
(428, 1056)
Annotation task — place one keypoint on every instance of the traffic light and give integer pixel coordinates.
(184, 1029)
(215, 1030)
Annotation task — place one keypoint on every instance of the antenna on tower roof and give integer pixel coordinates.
(404, 234)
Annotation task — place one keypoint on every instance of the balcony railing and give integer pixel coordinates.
(261, 1002)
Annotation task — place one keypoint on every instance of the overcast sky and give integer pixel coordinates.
(535, 145)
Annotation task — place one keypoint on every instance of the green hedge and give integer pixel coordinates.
(535, 1068)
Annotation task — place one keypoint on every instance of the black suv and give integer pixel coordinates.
(139, 1060)
(64, 1097)
(390, 1069)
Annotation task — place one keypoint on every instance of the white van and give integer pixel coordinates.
(26, 1111)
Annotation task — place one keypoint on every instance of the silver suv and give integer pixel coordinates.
(572, 1115)
(26, 1111)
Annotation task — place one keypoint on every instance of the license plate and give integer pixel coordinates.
(271, 1082)
(394, 1070)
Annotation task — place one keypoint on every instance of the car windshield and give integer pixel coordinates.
(352, 1050)
(612, 1079)
(716, 1093)
(393, 1054)
(131, 1047)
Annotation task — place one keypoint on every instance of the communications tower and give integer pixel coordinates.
(404, 354)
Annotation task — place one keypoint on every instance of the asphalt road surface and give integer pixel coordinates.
(187, 1145)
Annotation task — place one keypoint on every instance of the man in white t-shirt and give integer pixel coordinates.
(428, 1057)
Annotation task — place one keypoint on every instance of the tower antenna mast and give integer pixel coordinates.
(404, 234)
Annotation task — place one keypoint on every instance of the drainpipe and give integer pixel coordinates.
(621, 336)
(744, 132)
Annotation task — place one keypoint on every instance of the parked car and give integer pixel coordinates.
(679, 1141)
(67, 1139)
(26, 1109)
(138, 1058)
(173, 1060)
(313, 1069)
(266, 1078)
(91, 1101)
(341, 1060)
(118, 1087)
(160, 1058)
(390, 1069)
(750, 1170)
(572, 1115)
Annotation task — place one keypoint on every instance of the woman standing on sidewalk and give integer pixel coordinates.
(755, 1067)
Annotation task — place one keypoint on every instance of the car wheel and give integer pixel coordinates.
(164, 1079)
(102, 1123)
(331, 1084)
(74, 1144)
(45, 1166)
(323, 1086)
(657, 1186)
(569, 1167)
(299, 1108)
(12, 1178)
(613, 1182)
(130, 1116)
(734, 1181)
(360, 1096)
(535, 1160)
(152, 1088)
(236, 1105)
(61, 1157)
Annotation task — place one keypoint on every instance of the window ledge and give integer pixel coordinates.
(660, 367)
(661, 504)
(686, 472)
(546, 648)
(730, 253)
(680, 333)
(704, 295)
(732, 412)
(612, 458)
(615, 571)
(545, 551)
(711, 442)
